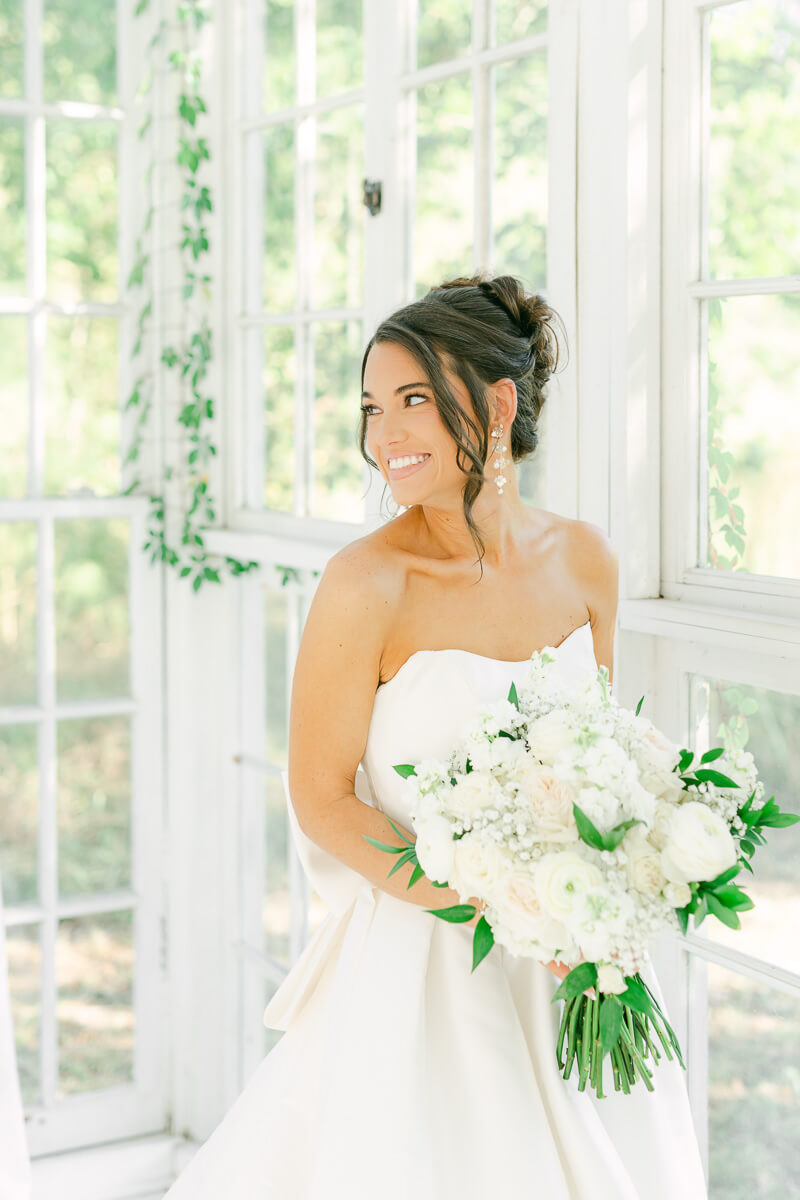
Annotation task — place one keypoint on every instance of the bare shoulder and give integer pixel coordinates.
(336, 673)
(593, 563)
(593, 557)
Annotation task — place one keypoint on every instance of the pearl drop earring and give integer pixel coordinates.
(500, 462)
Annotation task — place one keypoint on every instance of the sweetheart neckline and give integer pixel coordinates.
(512, 662)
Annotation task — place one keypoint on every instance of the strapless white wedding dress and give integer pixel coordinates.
(404, 1076)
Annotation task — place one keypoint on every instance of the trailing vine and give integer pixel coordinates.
(191, 359)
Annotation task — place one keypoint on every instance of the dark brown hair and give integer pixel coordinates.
(483, 329)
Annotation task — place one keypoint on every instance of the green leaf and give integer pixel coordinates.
(416, 874)
(589, 833)
(710, 755)
(779, 820)
(384, 846)
(404, 769)
(577, 981)
(733, 897)
(399, 832)
(405, 857)
(482, 942)
(457, 914)
(611, 1013)
(683, 918)
(707, 775)
(635, 996)
(615, 835)
(724, 877)
(724, 914)
(638, 710)
(684, 761)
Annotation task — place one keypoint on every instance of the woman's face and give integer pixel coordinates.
(403, 420)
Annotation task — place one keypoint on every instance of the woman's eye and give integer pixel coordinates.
(411, 396)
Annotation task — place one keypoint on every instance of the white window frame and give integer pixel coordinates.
(56, 1127)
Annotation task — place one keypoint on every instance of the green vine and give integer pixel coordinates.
(190, 360)
(725, 516)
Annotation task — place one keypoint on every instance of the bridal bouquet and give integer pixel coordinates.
(586, 831)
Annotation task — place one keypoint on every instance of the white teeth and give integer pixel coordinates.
(394, 463)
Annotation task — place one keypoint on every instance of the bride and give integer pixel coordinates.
(400, 1072)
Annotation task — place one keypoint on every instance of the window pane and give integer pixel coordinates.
(280, 288)
(518, 20)
(753, 1088)
(443, 30)
(82, 211)
(13, 407)
(519, 202)
(754, 139)
(278, 54)
(24, 984)
(444, 199)
(276, 748)
(276, 884)
(338, 485)
(337, 260)
(91, 609)
(12, 32)
(80, 61)
(340, 46)
(753, 432)
(12, 205)
(765, 723)
(278, 373)
(17, 612)
(81, 405)
(94, 805)
(94, 976)
(19, 813)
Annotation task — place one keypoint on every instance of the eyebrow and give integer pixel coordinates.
(403, 388)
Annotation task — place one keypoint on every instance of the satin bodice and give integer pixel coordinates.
(419, 713)
(422, 710)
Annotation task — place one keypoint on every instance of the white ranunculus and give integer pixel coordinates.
(477, 866)
(699, 844)
(434, 846)
(550, 734)
(560, 877)
(517, 907)
(610, 979)
(677, 894)
(550, 800)
(601, 807)
(643, 864)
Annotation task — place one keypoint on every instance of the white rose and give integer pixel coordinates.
(643, 865)
(699, 844)
(477, 866)
(610, 979)
(661, 822)
(560, 878)
(518, 909)
(600, 806)
(677, 894)
(471, 793)
(434, 846)
(550, 734)
(550, 802)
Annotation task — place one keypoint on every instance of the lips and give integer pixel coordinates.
(401, 472)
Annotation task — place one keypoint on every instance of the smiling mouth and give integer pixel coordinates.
(401, 472)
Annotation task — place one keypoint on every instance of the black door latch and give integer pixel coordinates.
(371, 195)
